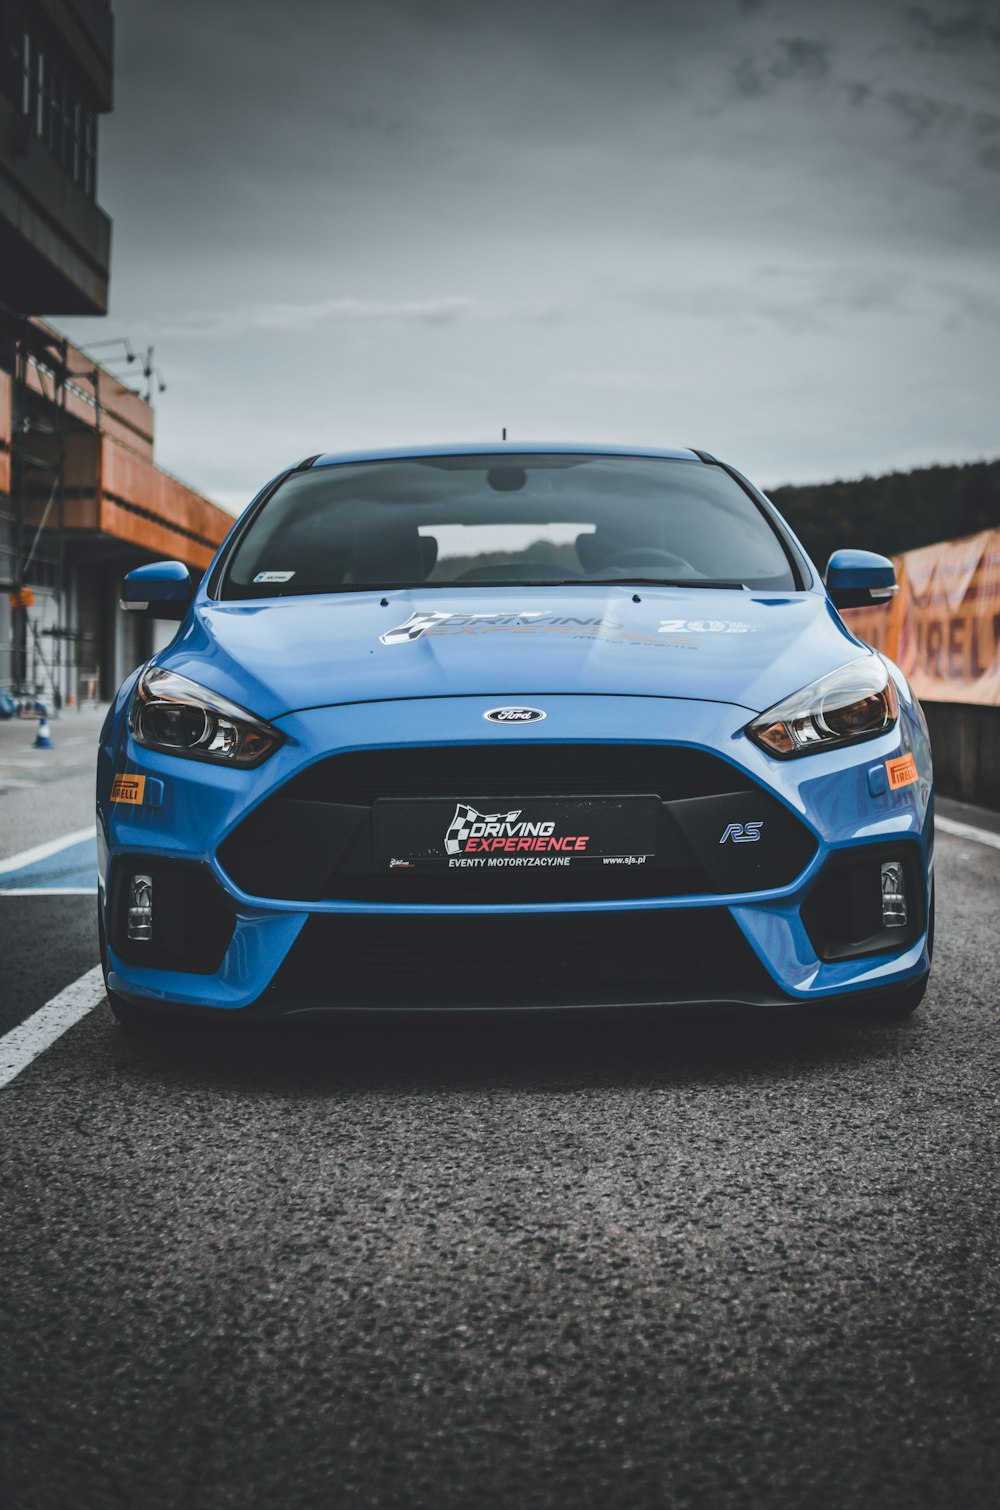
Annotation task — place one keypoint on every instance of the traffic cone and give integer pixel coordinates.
(42, 740)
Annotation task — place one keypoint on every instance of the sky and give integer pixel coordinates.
(765, 228)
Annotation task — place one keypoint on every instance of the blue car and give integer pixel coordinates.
(469, 728)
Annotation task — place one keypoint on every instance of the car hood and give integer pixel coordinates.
(278, 655)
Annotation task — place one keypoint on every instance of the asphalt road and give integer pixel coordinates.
(719, 1265)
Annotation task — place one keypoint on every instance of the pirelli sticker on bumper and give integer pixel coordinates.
(131, 789)
(902, 772)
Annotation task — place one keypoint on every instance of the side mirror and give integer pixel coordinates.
(161, 590)
(860, 579)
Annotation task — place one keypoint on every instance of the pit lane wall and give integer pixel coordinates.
(943, 629)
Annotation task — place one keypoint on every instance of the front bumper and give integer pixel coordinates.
(752, 944)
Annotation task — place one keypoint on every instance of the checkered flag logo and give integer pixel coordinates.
(460, 827)
(416, 626)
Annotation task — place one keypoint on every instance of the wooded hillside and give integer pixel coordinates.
(894, 513)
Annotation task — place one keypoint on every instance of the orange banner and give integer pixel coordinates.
(943, 626)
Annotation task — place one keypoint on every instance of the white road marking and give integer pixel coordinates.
(43, 851)
(967, 831)
(39, 1031)
(48, 891)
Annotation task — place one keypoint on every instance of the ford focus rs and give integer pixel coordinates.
(554, 728)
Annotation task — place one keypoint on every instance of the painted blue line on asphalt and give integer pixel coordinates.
(75, 866)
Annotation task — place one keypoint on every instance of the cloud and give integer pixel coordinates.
(748, 81)
(606, 378)
(748, 219)
(986, 128)
(930, 116)
(921, 113)
(970, 305)
(791, 59)
(801, 58)
(974, 24)
(253, 319)
(790, 299)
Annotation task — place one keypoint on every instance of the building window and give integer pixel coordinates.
(77, 167)
(39, 92)
(89, 183)
(25, 74)
(67, 133)
(40, 81)
(53, 134)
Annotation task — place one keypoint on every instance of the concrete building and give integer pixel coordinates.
(81, 501)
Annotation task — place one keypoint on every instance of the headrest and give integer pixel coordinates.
(401, 556)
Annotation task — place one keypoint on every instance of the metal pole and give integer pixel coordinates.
(62, 616)
(20, 667)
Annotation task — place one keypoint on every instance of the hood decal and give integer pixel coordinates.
(568, 626)
(706, 626)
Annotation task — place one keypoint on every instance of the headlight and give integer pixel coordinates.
(856, 702)
(170, 713)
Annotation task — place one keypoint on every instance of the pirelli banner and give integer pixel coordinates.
(943, 626)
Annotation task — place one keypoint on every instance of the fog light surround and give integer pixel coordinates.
(168, 914)
(867, 900)
(140, 909)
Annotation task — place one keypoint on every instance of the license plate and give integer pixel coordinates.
(435, 833)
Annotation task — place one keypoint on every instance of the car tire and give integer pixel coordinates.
(133, 1017)
(902, 1003)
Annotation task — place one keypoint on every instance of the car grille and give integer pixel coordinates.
(313, 840)
(520, 960)
(503, 771)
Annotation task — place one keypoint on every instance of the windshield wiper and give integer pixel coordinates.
(384, 587)
(641, 582)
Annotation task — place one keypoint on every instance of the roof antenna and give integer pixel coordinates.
(503, 433)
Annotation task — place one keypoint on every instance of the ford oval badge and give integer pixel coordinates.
(514, 715)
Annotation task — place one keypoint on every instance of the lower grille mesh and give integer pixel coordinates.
(523, 960)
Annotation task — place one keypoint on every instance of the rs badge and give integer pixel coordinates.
(743, 833)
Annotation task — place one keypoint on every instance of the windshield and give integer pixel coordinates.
(506, 519)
